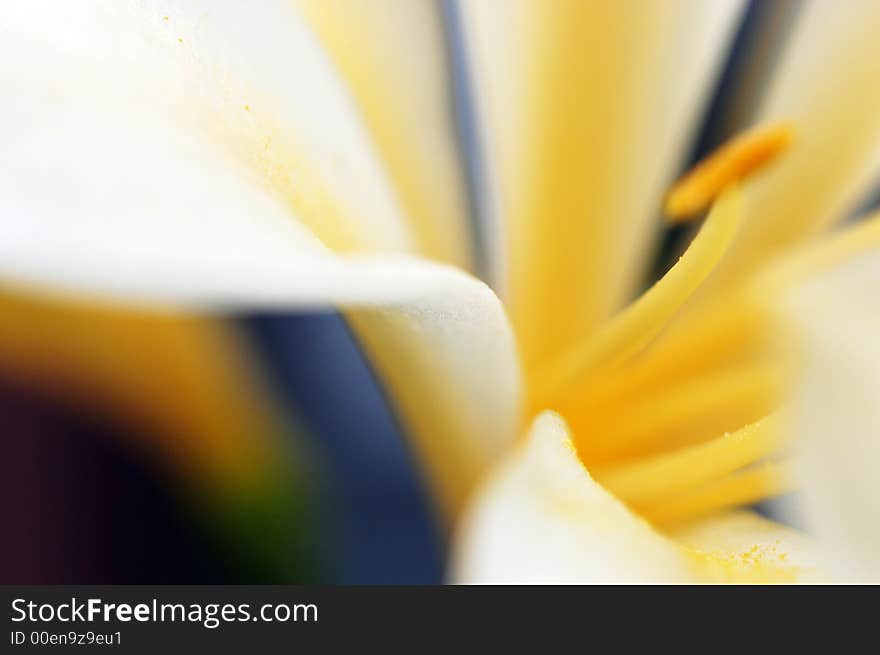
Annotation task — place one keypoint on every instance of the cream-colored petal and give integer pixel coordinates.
(587, 108)
(540, 518)
(835, 319)
(441, 336)
(188, 236)
(743, 539)
(438, 337)
(827, 85)
(393, 55)
(186, 154)
(158, 121)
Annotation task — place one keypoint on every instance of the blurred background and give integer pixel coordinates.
(247, 448)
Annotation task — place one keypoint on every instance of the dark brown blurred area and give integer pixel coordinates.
(77, 507)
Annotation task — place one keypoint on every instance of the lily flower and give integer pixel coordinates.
(195, 157)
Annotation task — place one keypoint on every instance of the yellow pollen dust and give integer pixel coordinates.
(739, 158)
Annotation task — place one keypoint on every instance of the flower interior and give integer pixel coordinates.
(673, 402)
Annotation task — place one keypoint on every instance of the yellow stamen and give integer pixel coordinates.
(634, 327)
(728, 330)
(741, 488)
(728, 333)
(661, 476)
(736, 160)
(681, 415)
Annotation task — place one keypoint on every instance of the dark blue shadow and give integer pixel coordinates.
(381, 517)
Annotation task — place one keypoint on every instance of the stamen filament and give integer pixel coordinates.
(714, 336)
(634, 327)
(661, 476)
(741, 488)
(679, 415)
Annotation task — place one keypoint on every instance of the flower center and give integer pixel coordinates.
(673, 401)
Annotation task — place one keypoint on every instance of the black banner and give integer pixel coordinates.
(284, 619)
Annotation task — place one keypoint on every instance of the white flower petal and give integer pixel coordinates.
(159, 122)
(393, 55)
(540, 518)
(162, 152)
(438, 337)
(836, 321)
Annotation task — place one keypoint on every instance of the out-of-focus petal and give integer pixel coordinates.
(438, 337)
(185, 394)
(827, 85)
(393, 55)
(762, 36)
(160, 122)
(164, 155)
(541, 518)
(183, 383)
(587, 109)
(835, 319)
